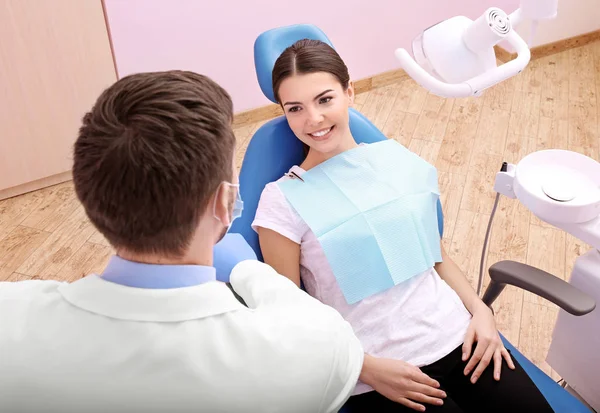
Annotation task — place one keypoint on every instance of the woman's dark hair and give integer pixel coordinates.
(308, 56)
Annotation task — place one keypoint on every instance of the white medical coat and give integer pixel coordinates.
(97, 346)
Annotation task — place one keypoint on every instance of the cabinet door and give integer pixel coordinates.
(55, 59)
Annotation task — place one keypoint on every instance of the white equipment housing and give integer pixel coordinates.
(562, 188)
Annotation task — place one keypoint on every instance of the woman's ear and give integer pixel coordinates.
(350, 93)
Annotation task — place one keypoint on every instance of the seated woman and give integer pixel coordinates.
(429, 340)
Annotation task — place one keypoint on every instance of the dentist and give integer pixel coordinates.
(156, 332)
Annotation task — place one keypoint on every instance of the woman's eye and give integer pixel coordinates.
(294, 109)
(325, 99)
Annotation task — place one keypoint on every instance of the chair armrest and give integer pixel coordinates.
(538, 282)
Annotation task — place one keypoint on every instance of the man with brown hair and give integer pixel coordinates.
(156, 332)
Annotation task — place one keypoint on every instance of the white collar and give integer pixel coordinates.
(106, 298)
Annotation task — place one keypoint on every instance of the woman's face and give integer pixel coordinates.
(316, 108)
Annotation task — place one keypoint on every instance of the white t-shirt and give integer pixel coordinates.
(418, 321)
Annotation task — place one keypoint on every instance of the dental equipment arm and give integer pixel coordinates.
(538, 282)
(455, 58)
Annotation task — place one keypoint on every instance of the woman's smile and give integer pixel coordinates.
(322, 134)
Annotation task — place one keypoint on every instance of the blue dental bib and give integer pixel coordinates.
(374, 211)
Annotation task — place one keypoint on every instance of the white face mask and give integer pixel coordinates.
(238, 206)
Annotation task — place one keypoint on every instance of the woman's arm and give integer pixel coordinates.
(281, 253)
(482, 332)
(454, 277)
(394, 379)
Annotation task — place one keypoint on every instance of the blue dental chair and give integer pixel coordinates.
(274, 149)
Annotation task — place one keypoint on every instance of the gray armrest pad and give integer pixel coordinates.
(541, 283)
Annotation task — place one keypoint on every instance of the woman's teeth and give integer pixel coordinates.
(321, 133)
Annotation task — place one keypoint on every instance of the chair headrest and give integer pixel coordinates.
(269, 46)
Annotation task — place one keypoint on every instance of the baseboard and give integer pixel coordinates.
(35, 185)
(360, 86)
(257, 115)
(549, 49)
(565, 44)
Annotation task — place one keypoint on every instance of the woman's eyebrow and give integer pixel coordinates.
(315, 98)
(322, 93)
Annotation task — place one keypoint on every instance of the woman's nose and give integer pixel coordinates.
(314, 117)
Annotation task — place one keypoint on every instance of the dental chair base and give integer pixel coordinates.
(562, 188)
(573, 353)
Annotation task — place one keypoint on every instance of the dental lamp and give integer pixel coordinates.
(455, 58)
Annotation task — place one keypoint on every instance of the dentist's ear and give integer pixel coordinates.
(221, 205)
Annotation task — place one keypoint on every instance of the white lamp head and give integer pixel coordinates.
(459, 49)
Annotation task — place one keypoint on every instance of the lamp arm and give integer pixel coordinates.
(516, 17)
(505, 70)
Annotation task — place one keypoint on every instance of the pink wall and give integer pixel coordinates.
(216, 37)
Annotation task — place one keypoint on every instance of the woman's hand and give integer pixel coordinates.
(483, 331)
(401, 382)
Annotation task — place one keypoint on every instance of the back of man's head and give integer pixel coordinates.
(149, 156)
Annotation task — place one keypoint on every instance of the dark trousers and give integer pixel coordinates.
(514, 393)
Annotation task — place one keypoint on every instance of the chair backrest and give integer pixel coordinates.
(269, 45)
(274, 149)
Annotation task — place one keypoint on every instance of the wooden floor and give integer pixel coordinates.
(552, 104)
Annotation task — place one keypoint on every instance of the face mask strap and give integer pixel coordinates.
(237, 203)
